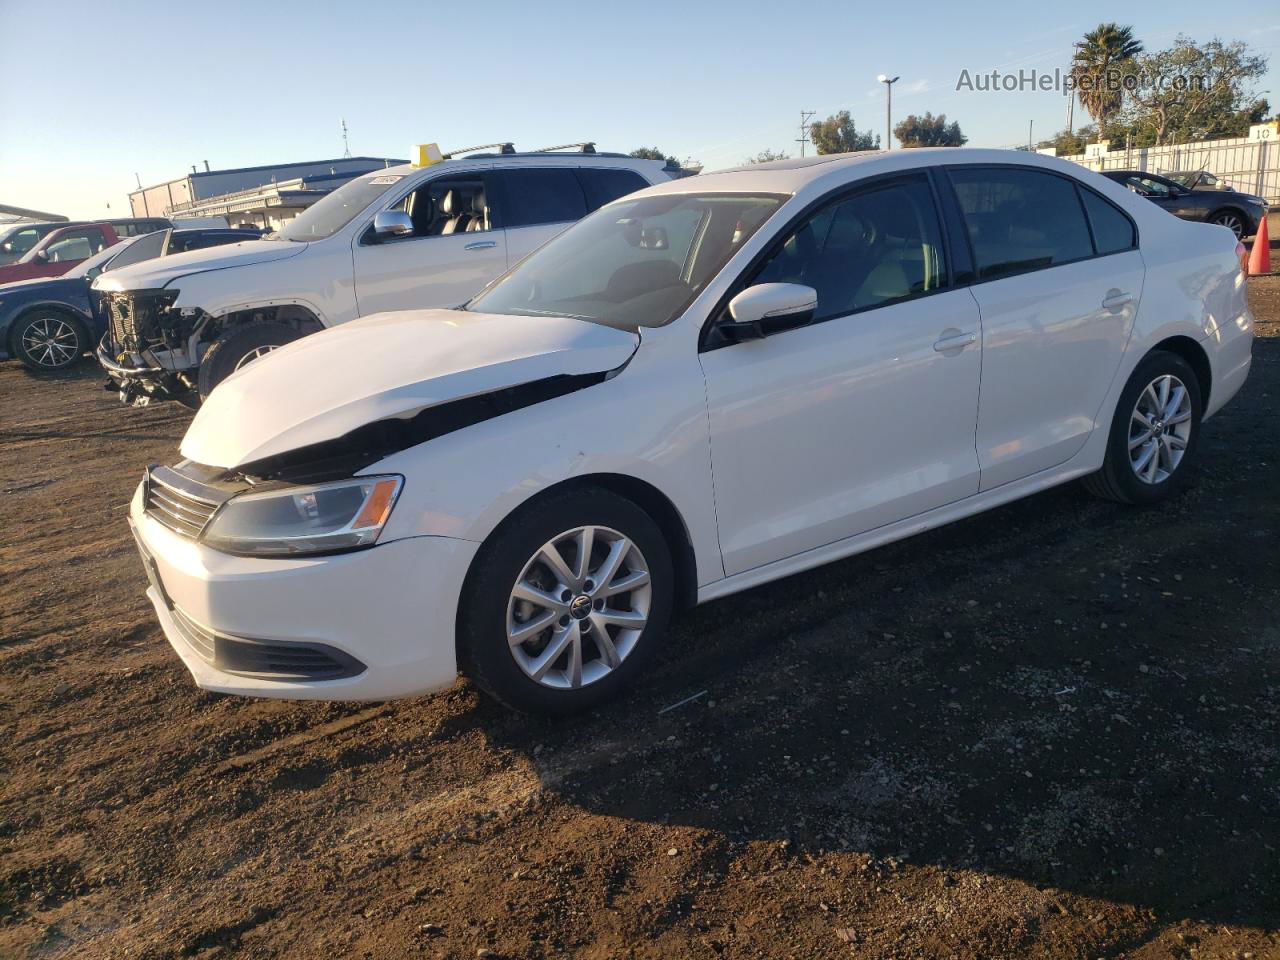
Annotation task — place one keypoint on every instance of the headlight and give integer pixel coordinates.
(305, 519)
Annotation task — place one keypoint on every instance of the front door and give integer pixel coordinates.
(867, 415)
(457, 246)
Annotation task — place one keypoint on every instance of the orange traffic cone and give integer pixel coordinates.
(1260, 258)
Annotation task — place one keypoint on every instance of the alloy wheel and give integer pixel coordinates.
(1159, 429)
(50, 342)
(1231, 222)
(579, 607)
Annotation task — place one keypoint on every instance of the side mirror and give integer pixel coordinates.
(42, 255)
(392, 223)
(769, 308)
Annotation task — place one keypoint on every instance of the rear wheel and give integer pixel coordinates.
(238, 348)
(1231, 219)
(567, 603)
(45, 340)
(1154, 435)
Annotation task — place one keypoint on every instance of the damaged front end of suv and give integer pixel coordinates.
(150, 349)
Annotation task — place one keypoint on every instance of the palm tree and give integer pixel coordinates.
(1107, 47)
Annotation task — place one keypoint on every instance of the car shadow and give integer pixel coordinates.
(1066, 691)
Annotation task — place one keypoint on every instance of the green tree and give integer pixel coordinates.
(929, 131)
(765, 156)
(651, 153)
(1196, 92)
(1106, 53)
(837, 134)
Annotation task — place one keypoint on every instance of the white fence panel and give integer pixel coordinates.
(1248, 165)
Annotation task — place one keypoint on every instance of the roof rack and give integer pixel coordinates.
(507, 147)
(585, 147)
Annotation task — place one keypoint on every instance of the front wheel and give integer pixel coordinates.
(566, 604)
(238, 348)
(48, 340)
(1154, 435)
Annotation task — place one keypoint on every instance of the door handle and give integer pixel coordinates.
(957, 342)
(481, 245)
(1114, 300)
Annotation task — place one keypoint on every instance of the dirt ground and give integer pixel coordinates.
(1049, 731)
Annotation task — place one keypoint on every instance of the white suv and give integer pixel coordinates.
(401, 238)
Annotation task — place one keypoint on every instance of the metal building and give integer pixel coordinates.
(265, 196)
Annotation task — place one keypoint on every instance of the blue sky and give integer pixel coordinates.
(95, 92)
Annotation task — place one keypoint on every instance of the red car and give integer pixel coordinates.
(59, 251)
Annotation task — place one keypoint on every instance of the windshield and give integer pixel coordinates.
(635, 263)
(331, 213)
(1182, 179)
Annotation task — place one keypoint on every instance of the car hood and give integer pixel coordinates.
(160, 272)
(390, 365)
(42, 287)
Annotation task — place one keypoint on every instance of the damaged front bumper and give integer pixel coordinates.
(139, 383)
(140, 325)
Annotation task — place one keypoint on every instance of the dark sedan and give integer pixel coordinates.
(49, 324)
(1238, 212)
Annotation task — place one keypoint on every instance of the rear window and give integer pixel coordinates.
(542, 196)
(1112, 230)
(1020, 220)
(605, 186)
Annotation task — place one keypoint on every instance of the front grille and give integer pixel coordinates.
(268, 660)
(177, 506)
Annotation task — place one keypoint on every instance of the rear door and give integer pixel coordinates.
(537, 203)
(1059, 277)
(457, 246)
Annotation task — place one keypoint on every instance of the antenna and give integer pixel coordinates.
(805, 116)
(346, 146)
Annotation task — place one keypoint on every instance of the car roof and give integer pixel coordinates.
(794, 176)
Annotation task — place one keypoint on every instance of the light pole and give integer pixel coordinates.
(888, 107)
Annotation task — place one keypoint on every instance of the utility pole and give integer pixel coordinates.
(888, 107)
(346, 147)
(1030, 127)
(805, 116)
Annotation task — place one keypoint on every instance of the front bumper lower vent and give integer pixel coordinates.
(266, 659)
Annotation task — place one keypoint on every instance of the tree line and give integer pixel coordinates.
(1189, 91)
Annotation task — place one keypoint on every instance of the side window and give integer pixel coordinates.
(75, 245)
(549, 195)
(21, 242)
(445, 206)
(1112, 230)
(875, 248)
(605, 186)
(1020, 220)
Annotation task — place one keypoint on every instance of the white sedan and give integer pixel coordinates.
(704, 386)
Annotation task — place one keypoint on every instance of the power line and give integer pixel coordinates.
(805, 115)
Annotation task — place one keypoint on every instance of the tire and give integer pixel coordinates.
(1129, 478)
(490, 609)
(48, 340)
(1233, 220)
(238, 347)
